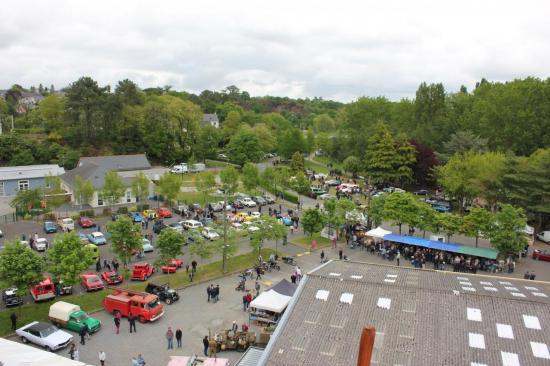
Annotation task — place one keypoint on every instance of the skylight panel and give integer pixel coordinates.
(356, 277)
(517, 294)
(384, 303)
(492, 289)
(531, 288)
(509, 359)
(531, 322)
(346, 298)
(322, 295)
(540, 350)
(334, 274)
(476, 340)
(510, 288)
(486, 283)
(539, 294)
(473, 314)
(505, 331)
(471, 289)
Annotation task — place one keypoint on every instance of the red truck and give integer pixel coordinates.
(142, 271)
(44, 290)
(146, 307)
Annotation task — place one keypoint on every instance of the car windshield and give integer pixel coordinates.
(113, 275)
(93, 280)
(81, 317)
(48, 331)
(153, 304)
(97, 235)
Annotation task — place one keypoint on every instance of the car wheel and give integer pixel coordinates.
(24, 340)
(141, 319)
(168, 301)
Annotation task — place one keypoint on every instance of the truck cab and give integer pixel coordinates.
(44, 290)
(142, 271)
(146, 307)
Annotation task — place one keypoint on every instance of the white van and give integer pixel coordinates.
(179, 169)
(191, 224)
(544, 236)
(199, 167)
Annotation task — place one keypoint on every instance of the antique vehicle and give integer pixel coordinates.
(70, 316)
(164, 292)
(176, 226)
(135, 216)
(97, 238)
(142, 271)
(10, 297)
(544, 236)
(91, 282)
(172, 266)
(158, 226)
(260, 200)
(227, 340)
(40, 244)
(209, 233)
(66, 224)
(94, 249)
(268, 199)
(62, 288)
(44, 290)
(44, 335)
(111, 277)
(151, 214)
(181, 210)
(85, 222)
(179, 169)
(248, 202)
(146, 307)
(147, 246)
(50, 227)
(163, 212)
(191, 224)
(541, 256)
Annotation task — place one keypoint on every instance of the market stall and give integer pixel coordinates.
(269, 305)
(378, 233)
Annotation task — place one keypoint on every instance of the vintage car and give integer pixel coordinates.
(135, 216)
(152, 214)
(10, 297)
(50, 227)
(164, 292)
(142, 271)
(111, 277)
(85, 222)
(147, 246)
(91, 282)
(145, 306)
(96, 238)
(163, 212)
(44, 335)
(44, 290)
(541, 256)
(209, 233)
(70, 316)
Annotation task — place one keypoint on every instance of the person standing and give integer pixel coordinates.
(208, 292)
(398, 257)
(71, 351)
(117, 322)
(340, 254)
(205, 345)
(13, 319)
(194, 265)
(179, 334)
(217, 293)
(132, 321)
(257, 287)
(212, 348)
(248, 299)
(245, 303)
(170, 338)
(76, 355)
(234, 327)
(322, 256)
(102, 356)
(258, 273)
(82, 332)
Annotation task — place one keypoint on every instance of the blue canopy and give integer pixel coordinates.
(447, 247)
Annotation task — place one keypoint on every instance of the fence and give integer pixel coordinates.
(8, 218)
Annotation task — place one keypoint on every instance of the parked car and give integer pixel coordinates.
(70, 316)
(441, 208)
(260, 200)
(135, 216)
(44, 290)
(94, 249)
(333, 182)
(541, 256)
(50, 227)
(544, 236)
(142, 271)
(319, 176)
(421, 192)
(237, 226)
(236, 204)
(91, 282)
(269, 199)
(147, 246)
(216, 206)
(180, 210)
(163, 212)
(286, 220)
(44, 335)
(248, 202)
(164, 292)
(210, 233)
(40, 244)
(197, 209)
(176, 226)
(85, 222)
(191, 224)
(66, 224)
(172, 266)
(181, 168)
(111, 277)
(324, 196)
(10, 297)
(317, 191)
(144, 306)
(97, 238)
(152, 214)
(255, 215)
(222, 156)
(158, 226)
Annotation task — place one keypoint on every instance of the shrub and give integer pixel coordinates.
(27, 216)
(122, 210)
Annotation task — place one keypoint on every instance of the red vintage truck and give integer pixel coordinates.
(145, 307)
(44, 290)
(142, 271)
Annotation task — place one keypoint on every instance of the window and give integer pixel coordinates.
(23, 185)
(2, 192)
(99, 200)
(128, 196)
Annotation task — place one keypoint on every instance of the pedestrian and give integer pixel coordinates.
(170, 337)
(248, 299)
(245, 303)
(340, 254)
(208, 292)
(82, 332)
(257, 287)
(194, 265)
(186, 267)
(234, 327)
(258, 273)
(293, 278)
(105, 263)
(334, 242)
(71, 351)
(322, 256)
(398, 257)
(76, 354)
(132, 321)
(218, 292)
(205, 345)
(13, 319)
(102, 356)
(117, 322)
(140, 360)
(532, 276)
(212, 348)
(191, 275)
(179, 334)
(99, 228)
(98, 265)
(298, 273)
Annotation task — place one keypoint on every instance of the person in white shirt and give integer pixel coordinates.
(102, 358)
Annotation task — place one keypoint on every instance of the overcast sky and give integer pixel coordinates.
(336, 50)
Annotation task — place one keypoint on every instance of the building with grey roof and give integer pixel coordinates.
(421, 317)
(118, 163)
(211, 119)
(15, 178)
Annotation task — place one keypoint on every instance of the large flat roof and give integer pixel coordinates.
(422, 317)
(29, 171)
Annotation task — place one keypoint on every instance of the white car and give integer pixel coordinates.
(191, 224)
(179, 169)
(252, 228)
(210, 233)
(45, 335)
(176, 226)
(255, 215)
(319, 176)
(237, 226)
(40, 244)
(248, 202)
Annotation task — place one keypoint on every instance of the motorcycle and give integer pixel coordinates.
(273, 265)
(242, 285)
(289, 260)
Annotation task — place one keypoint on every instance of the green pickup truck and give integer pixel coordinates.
(70, 316)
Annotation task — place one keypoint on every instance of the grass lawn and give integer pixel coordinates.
(316, 167)
(92, 301)
(305, 241)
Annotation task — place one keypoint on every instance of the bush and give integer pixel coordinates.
(75, 217)
(122, 210)
(27, 216)
(290, 197)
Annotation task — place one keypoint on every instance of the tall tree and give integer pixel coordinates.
(67, 258)
(507, 233)
(125, 239)
(451, 224)
(169, 245)
(83, 191)
(113, 188)
(401, 208)
(244, 147)
(312, 221)
(269, 228)
(201, 247)
(250, 176)
(352, 165)
(140, 186)
(205, 183)
(169, 186)
(297, 162)
(477, 223)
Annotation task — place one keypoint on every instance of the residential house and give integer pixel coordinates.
(211, 119)
(14, 178)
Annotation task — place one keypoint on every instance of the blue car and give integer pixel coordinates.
(135, 216)
(286, 220)
(96, 238)
(441, 208)
(50, 227)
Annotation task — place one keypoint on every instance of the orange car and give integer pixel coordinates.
(172, 266)
(163, 212)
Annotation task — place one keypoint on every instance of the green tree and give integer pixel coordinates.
(51, 110)
(201, 247)
(376, 210)
(67, 258)
(335, 211)
(312, 221)
(507, 233)
(169, 186)
(25, 199)
(125, 239)
(205, 183)
(113, 188)
(169, 245)
(477, 223)
(323, 123)
(140, 186)
(456, 178)
(54, 195)
(250, 176)
(83, 191)
(450, 224)
(269, 228)
(352, 165)
(310, 141)
(226, 246)
(268, 178)
(291, 141)
(401, 208)
(20, 266)
(461, 142)
(301, 184)
(244, 147)
(297, 162)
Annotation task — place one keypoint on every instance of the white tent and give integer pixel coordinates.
(17, 354)
(271, 301)
(378, 233)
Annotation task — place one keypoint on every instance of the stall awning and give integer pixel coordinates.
(271, 301)
(285, 288)
(378, 233)
(447, 247)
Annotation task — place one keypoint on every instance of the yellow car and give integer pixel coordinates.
(241, 217)
(94, 250)
(150, 213)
